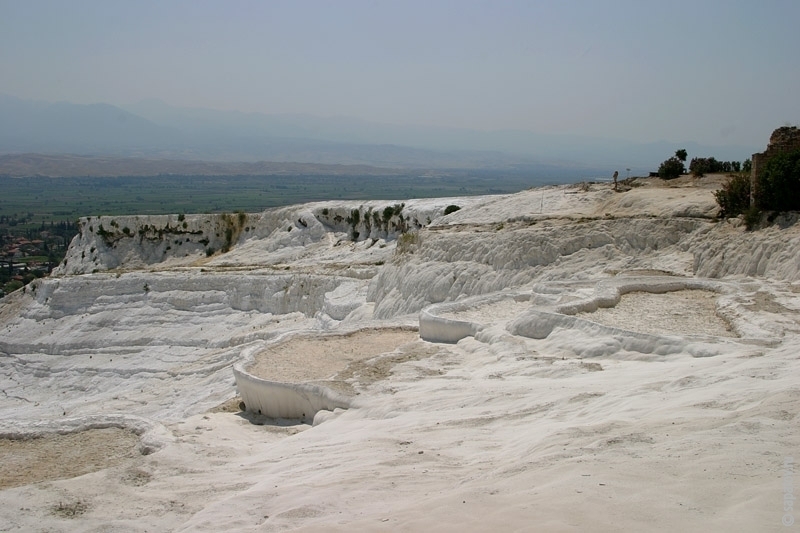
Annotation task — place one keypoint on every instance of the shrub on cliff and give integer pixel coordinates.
(734, 197)
(12, 286)
(778, 187)
(671, 168)
(408, 242)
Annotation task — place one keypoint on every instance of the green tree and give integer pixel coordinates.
(671, 168)
(776, 189)
(681, 155)
(778, 186)
(701, 166)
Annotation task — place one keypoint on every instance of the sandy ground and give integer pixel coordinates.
(501, 311)
(25, 461)
(311, 359)
(688, 312)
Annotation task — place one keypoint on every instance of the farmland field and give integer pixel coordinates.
(30, 202)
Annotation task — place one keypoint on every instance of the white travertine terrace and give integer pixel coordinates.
(547, 389)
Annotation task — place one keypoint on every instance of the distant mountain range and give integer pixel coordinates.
(154, 130)
(71, 166)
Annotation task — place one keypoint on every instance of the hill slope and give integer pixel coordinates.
(155, 130)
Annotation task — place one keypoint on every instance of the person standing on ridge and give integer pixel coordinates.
(616, 174)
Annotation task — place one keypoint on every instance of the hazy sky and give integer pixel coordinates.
(717, 72)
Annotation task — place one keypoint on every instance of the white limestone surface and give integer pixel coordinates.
(537, 420)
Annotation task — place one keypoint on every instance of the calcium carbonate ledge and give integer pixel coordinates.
(556, 321)
(275, 399)
(152, 435)
(433, 327)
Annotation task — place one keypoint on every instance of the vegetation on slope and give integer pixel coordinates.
(777, 189)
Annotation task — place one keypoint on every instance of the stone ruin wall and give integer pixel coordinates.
(782, 140)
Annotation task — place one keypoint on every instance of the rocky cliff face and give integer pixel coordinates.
(163, 241)
(407, 255)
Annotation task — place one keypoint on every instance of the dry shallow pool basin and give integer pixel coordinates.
(296, 377)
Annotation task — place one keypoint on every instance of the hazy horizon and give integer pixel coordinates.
(719, 73)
